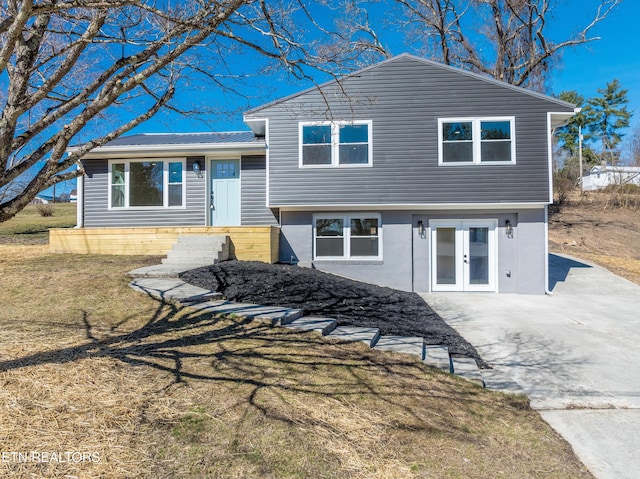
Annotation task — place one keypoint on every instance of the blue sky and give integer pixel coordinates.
(617, 55)
(584, 68)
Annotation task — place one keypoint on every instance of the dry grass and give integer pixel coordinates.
(88, 365)
(588, 228)
(30, 226)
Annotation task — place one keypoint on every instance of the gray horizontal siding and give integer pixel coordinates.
(254, 193)
(97, 214)
(404, 99)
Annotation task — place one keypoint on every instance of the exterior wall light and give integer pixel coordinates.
(508, 229)
(196, 169)
(421, 230)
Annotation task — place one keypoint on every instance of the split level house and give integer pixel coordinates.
(408, 174)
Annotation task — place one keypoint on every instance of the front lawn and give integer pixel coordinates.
(100, 381)
(29, 226)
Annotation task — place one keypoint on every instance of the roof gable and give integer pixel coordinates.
(408, 59)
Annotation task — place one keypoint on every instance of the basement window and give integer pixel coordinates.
(347, 236)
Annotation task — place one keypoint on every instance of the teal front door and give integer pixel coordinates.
(224, 200)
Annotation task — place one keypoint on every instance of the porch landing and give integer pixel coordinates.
(247, 243)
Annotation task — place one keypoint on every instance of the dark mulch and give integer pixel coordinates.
(351, 303)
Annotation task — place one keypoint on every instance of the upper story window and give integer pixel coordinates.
(147, 183)
(333, 144)
(476, 140)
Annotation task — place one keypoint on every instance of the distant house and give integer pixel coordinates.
(73, 196)
(39, 200)
(602, 176)
(408, 174)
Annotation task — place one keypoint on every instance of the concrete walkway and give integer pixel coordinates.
(163, 284)
(576, 354)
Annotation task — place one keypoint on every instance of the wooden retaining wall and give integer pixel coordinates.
(248, 243)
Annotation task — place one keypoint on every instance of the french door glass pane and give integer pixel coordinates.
(479, 255)
(446, 260)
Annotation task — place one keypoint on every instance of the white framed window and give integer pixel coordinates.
(347, 236)
(147, 183)
(481, 140)
(335, 144)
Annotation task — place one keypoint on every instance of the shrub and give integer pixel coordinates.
(563, 185)
(46, 209)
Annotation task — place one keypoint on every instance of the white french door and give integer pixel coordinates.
(463, 255)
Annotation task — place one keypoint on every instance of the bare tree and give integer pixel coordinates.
(505, 39)
(71, 70)
(633, 147)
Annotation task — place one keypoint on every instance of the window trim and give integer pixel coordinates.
(477, 141)
(346, 236)
(335, 143)
(165, 183)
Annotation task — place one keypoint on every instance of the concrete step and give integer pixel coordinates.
(172, 290)
(162, 270)
(437, 357)
(202, 240)
(401, 344)
(312, 323)
(468, 369)
(206, 257)
(499, 381)
(369, 336)
(201, 243)
(197, 247)
(274, 315)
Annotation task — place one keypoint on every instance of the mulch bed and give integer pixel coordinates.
(351, 303)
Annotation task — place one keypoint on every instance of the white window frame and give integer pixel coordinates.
(165, 183)
(346, 236)
(335, 143)
(476, 123)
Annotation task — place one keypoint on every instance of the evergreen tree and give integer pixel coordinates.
(606, 117)
(568, 137)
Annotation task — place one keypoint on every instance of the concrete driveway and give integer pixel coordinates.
(576, 354)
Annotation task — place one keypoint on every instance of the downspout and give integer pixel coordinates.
(80, 198)
(546, 251)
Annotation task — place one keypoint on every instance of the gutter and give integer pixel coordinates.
(171, 149)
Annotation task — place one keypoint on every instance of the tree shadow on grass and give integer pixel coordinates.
(194, 345)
